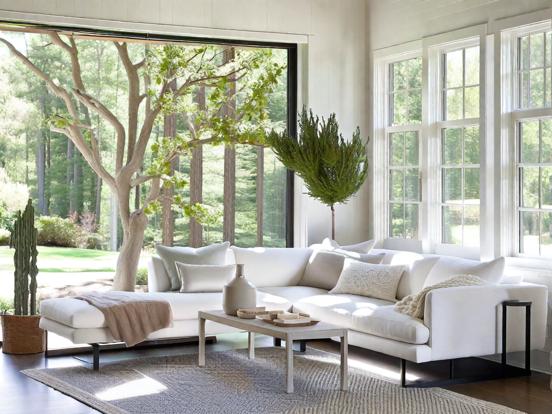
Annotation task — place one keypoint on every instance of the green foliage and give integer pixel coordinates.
(6, 306)
(142, 276)
(4, 237)
(23, 239)
(333, 169)
(57, 231)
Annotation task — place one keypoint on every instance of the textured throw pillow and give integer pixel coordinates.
(362, 247)
(324, 267)
(214, 254)
(204, 278)
(373, 280)
(491, 272)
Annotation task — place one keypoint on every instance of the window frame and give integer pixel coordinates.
(381, 167)
(509, 229)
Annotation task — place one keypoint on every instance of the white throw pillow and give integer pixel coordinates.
(446, 267)
(204, 278)
(362, 247)
(272, 266)
(366, 279)
(215, 254)
(324, 267)
(412, 280)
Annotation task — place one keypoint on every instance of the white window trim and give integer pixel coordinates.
(507, 225)
(433, 122)
(380, 164)
(429, 228)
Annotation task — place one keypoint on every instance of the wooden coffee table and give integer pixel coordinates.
(289, 334)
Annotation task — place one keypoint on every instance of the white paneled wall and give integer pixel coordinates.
(334, 72)
(393, 22)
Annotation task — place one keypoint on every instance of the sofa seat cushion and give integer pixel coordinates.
(289, 294)
(384, 321)
(79, 314)
(337, 309)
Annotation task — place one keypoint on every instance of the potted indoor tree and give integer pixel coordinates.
(332, 168)
(21, 333)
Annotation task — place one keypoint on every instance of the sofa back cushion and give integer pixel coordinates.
(413, 279)
(324, 267)
(214, 254)
(447, 266)
(204, 278)
(272, 266)
(362, 247)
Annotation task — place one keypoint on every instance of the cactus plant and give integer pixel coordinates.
(23, 239)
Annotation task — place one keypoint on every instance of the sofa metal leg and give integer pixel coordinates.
(46, 344)
(95, 357)
(302, 346)
(277, 342)
(403, 373)
(451, 369)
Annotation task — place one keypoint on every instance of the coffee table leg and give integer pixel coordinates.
(201, 361)
(344, 363)
(251, 344)
(289, 365)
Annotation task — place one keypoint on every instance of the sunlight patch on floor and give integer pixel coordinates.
(131, 389)
(367, 367)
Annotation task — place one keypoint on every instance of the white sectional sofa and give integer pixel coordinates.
(459, 322)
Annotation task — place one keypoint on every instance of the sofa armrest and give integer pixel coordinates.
(158, 280)
(467, 320)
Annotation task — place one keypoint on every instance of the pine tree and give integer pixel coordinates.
(332, 169)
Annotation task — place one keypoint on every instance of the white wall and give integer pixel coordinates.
(334, 65)
(392, 22)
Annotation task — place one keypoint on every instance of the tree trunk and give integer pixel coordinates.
(196, 179)
(69, 176)
(167, 214)
(332, 208)
(98, 206)
(259, 181)
(129, 255)
(41, 172)
(229, 110)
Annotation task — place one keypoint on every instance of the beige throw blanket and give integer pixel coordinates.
(130, 317)
(413, 305)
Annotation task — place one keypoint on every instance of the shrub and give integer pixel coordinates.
(142, 276)
(6, 306)
(4, 237)
(93, 241)
(56, 231)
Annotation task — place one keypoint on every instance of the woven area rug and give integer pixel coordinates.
(231, 383)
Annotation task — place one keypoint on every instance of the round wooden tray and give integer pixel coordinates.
(288, 325)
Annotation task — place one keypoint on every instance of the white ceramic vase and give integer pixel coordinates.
(239, 293)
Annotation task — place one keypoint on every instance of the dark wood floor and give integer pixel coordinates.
(21, 395)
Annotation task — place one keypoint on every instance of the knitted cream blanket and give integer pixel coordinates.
(413, 305)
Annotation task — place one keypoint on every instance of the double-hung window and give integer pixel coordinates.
(533, 143)
(460, 147)
(403, 147)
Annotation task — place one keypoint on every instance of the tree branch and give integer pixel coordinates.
(73, 132)
(106, 114)
(133, 97)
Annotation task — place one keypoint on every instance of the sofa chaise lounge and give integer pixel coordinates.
(458, 322)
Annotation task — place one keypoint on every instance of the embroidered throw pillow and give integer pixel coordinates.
(373, 280)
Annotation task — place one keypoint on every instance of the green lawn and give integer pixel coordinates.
(65, 260)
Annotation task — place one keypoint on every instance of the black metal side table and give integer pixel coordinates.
(527, 306)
